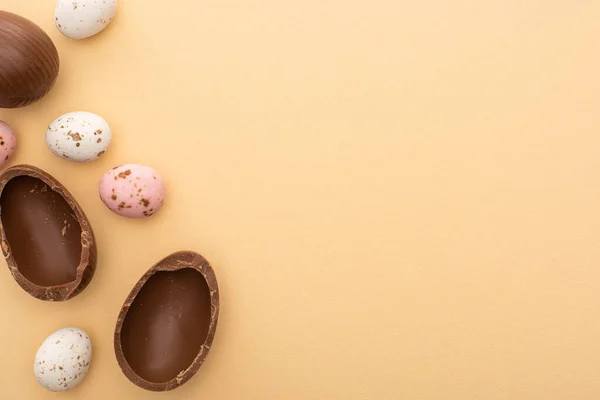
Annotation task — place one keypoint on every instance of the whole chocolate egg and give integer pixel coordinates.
(28, 61)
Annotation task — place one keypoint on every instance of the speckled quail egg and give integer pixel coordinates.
(79, 19)
(63, 359)
(79, 136)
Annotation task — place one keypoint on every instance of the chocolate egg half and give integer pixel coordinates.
(46, 238)
(28, 61)
(166, 327)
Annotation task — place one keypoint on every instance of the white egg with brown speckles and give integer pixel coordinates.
(79, 19)
(79, 136)
(63, 360)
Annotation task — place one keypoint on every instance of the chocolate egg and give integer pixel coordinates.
(46, 238)
(28, 61)
(166, 327)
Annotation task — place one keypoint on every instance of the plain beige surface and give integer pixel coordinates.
(401, 198)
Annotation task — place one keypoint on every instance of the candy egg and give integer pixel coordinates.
(63, 360)
(132, 190)
(79, 136)
(8, 142)
(80, 19)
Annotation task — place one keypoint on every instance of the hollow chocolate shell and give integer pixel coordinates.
(168, 322)
(28, 61)
(46, 238)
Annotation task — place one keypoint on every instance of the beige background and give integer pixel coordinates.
(400, 198)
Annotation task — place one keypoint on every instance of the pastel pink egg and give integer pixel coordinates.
(8, 142)
(133, 191)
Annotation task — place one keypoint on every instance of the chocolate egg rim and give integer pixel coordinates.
(88, 258)
(173, 262)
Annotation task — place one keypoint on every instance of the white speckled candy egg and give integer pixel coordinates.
(79, 19)
(79, 136)
(8, 142)
(133, 190)
(63, 360)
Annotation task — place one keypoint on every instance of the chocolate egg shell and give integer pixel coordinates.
(45, 236)
(28, 61)
(167, 325)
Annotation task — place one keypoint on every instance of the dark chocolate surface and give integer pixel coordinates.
(167, 324)
(29, 61)
(42, 230)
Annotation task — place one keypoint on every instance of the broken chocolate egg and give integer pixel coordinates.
(166, 327)
(28, 61)
(46, 238)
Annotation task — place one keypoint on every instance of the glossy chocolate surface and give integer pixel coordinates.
(42, 230)
(168, 322)
(46, 238)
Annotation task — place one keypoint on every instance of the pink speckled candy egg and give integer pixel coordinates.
(133, 191)
(8, 142)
